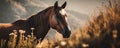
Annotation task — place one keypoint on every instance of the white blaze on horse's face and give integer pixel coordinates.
(65, 18)
(62, 11)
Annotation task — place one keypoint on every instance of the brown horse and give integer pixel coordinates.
(52, 17)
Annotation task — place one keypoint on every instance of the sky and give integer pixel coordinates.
(25, 8)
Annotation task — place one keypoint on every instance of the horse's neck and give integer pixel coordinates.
(37, 21)
(40, 22)
(41, 18)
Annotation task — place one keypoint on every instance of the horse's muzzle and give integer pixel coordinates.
(67, 35)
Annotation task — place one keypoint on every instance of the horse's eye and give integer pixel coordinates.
(58, 17)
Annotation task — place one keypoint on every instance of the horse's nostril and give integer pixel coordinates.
(67, 34)
(70, 31)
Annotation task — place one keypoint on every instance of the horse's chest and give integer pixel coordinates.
(41, 32)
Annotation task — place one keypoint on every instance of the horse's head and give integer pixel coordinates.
(59, 20)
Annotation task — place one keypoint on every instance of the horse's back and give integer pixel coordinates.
(5, 25)
(7, 28)
(4, 30)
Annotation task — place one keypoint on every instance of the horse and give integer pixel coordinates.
(54, 17)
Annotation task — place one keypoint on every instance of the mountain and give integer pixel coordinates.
(12, 10)
(78, 15)
(77, 19)
(6, 12)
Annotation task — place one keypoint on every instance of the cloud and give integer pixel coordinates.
(37, 3)
(17, 7)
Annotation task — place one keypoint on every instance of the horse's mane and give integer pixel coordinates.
(20, 23)
(45, 10)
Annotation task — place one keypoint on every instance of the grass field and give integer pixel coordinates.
(103, 31)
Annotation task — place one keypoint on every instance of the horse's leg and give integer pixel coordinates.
(17, 41)
(3, 43)
(6, 44)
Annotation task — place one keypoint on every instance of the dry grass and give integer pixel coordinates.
(103, 31)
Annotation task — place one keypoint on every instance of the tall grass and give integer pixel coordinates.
(103, 31)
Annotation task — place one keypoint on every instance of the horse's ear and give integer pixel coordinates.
(64, 5)
(56, 5)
